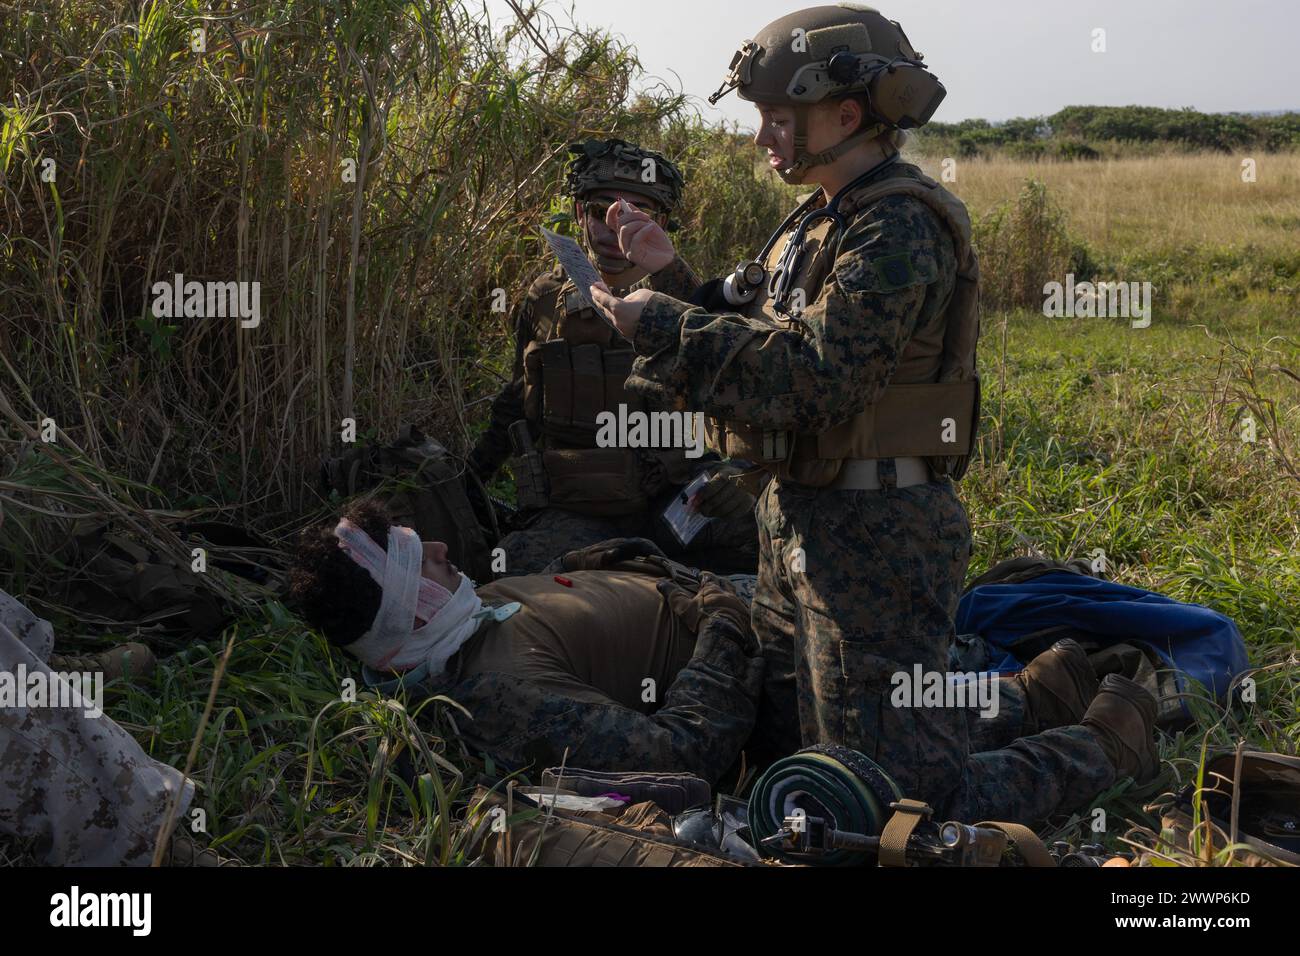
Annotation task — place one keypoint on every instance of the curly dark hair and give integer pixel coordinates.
(332, 592)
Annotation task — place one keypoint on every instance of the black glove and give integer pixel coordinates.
(711, 298)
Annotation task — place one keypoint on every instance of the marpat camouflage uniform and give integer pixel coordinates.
(531, 698)
(725, 546)
(881, 570)
(80, 787)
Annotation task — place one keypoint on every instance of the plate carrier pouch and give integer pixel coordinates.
(571, 375)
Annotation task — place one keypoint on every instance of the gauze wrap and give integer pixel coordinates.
(393, 640)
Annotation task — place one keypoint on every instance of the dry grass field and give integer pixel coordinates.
(1157, 203)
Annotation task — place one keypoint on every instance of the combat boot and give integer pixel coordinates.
(183, 851)
(1059, 685)
(1123, 718)
(129, 662)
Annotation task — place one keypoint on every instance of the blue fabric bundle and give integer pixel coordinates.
(1193, 640)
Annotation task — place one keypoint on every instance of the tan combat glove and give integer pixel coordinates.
(606, 554)
(723, 497)
(716, 598)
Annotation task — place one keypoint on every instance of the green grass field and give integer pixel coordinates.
(1095, 435)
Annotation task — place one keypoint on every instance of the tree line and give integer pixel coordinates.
(1088, 132)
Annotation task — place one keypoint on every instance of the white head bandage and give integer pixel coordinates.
(393, 640)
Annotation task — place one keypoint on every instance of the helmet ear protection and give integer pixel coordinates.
(902, 92)
(905, 94)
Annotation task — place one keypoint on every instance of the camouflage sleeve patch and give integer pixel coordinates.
(894, 249)
(895, 272)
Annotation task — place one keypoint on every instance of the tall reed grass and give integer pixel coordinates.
(378, 167)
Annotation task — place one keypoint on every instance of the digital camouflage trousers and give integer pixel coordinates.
(857, 586)
(78, 787)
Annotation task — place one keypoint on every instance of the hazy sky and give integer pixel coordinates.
(1003, 58)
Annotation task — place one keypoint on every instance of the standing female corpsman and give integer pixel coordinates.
(842, 362)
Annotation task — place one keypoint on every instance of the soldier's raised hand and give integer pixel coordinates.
(642, 240)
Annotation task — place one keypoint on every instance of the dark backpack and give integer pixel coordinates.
(426, 488)
(116, 578)
(1267, 810)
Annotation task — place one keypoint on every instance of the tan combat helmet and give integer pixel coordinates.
(833, 51)
(598, 164)
(614, 164)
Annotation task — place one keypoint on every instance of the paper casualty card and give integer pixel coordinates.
(683, 523)
(575, 262)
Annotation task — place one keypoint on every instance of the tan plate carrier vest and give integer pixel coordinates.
(934, 394)
(572, 374)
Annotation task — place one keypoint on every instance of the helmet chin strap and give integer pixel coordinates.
(797, 172)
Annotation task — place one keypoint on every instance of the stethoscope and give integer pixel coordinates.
(743, 285)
